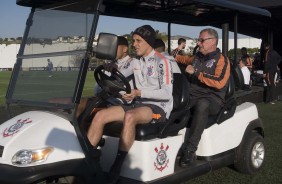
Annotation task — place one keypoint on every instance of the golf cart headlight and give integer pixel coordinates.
(26, 157)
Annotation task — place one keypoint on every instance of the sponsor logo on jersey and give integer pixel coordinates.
(150, 71)
(210, 63)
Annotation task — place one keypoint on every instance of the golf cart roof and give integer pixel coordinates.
(184, 12)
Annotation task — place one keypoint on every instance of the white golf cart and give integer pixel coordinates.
(47, 143)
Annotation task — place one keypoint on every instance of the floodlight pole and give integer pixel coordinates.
(235, 38)
(225, 38)
(168, 37)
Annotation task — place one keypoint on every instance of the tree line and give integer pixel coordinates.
(7, 41)
(163, 36)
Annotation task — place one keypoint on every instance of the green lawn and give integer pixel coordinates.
(4, 81)
(5, 78)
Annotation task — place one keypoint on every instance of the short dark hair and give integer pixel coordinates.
(159, 43)
(267, 44)
(181, 40)
(122, 41)
(244, 48)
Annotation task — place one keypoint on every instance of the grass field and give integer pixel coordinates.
(271, 172)
(4, 81)
(58, 82)
(272, 119)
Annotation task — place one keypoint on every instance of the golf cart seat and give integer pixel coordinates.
(178, 118)
(237, 76)
(229, 107)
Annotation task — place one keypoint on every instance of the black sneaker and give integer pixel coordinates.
(113, 177)
(188, 158)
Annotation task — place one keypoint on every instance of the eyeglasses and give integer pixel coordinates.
(203, 40)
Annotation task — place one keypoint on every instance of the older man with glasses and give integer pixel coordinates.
(209, 71)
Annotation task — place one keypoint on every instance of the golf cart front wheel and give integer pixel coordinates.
(251, 154)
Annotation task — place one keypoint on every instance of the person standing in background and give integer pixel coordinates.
(246, 73)
(49, 67)
(246, 58)
(179, 50)
(272, 60)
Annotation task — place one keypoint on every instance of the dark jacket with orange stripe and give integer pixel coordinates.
(272, 60)
(211, 75)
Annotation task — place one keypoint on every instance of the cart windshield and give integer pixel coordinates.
(49, 65)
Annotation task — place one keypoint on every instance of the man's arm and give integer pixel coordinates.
(221, 76)
(249, 62)
(184, 59)
(124, 70)
(127, 68)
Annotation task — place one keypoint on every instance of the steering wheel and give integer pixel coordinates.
(111, 84)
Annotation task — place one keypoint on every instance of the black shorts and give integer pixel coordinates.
(158, 113)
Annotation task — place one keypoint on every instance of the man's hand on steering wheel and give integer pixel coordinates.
(134, 93)
(111, 84)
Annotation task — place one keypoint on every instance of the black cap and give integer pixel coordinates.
(147, 33)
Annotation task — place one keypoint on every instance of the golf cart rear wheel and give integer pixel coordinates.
(250, 155)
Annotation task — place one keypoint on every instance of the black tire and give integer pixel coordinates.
(250, 154)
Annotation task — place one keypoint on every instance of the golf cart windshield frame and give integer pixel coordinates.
(63, 37)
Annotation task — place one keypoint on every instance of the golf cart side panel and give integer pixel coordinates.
(146, 160)
(227, 135)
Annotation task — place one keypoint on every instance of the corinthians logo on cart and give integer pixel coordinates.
(161, 160)
(15, 128)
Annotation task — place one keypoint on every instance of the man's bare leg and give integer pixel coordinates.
(81, 106)
(95, 132)
(133, 117)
